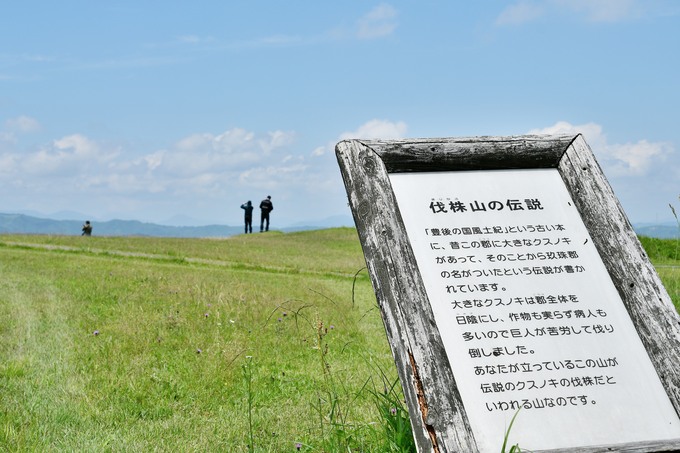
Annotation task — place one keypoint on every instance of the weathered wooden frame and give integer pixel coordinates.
(438, 417)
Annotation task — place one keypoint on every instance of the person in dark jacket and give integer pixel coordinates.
(87, 229)
(266, 207)
(248, 216)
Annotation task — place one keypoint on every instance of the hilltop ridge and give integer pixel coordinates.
(27, 224)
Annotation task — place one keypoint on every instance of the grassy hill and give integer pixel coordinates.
(266, 342)
(24, 224)
(138, 344)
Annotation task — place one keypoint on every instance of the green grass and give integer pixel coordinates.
(661, 251)
(262, 343)
(665, 254)
(331, 251)
(116, 344)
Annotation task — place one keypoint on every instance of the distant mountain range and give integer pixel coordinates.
(26, 224)
(662, 230)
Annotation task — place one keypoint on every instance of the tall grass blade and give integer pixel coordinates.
(515, 448)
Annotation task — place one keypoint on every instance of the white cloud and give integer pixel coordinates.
(276, 140)
(268, 178)
(280, 40)
(379, 22)
(39, 58)
(373, 129)
(228, 151)
(637, 158)
(591, 131)
(196, 162)
(7, 163)
(599, 10)
(627, 159)
(377, 129)
(22, 124)
(7, 137)
(524, 11)
(189, 39)
(195, 141)
(198, 176)
(233, 141)
(77, 144)
(154, 160)
(65, 157)
(519, 13)
(12, 127)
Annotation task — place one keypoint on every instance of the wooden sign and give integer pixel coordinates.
(511, 283)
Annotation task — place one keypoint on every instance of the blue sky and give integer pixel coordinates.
(154, 110)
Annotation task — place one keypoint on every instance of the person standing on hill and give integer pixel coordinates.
(87, 229)
(248, 217)
(266, 207)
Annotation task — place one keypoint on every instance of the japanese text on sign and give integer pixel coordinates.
(527, 312)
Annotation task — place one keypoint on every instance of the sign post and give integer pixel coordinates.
(511, 282)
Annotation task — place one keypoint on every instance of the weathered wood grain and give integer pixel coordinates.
(436, 410)
(649, 305)
(438, 417)
(636, 447)
(471, 153)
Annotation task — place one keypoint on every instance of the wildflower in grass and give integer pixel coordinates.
(198, 350)
(285, 314)
(280, 319)
(95, 333)
(331, 327)
(393, 411)
(207, 314)
(298, 446)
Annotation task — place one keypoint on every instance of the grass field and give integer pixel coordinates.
(266, 342)
(665, 255)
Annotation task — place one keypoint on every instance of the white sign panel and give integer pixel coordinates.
(527, 312)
